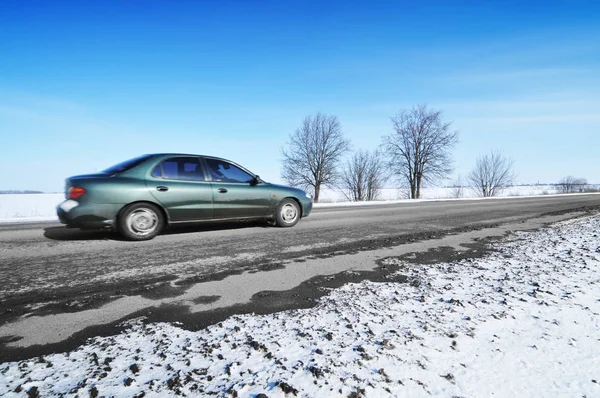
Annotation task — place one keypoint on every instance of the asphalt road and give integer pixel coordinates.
(46, 268)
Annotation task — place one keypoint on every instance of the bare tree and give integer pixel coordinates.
(363, 176)
(571, 184)
(313, 154)
(492, 174)
(419, 149)
(457, 188)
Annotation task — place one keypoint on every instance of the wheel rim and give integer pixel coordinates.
(289, 213)
(142, 222)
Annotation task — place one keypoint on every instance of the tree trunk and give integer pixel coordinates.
(413, 189)
(418, 187)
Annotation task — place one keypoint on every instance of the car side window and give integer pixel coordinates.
(180, 168)
(157, 172)
(221, 170)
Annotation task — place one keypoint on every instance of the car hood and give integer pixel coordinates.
(287, 188)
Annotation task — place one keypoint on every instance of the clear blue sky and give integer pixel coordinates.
(84, 85)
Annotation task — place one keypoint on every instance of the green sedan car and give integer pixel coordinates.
(140, 196)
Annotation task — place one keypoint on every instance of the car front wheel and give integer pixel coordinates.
(287, 213)
(140, 221)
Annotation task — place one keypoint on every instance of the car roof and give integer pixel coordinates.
(185, 154)
(162, 155)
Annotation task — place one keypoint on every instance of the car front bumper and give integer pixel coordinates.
(307, 205)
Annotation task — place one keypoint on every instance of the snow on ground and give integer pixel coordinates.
(42, 207)
(29, 207)
(522, 321)
(329, 195)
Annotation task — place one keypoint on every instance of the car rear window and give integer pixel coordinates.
(180, 168)
(126, 165)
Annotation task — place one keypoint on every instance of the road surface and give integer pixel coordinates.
(61, 286)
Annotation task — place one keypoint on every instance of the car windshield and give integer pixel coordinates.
(126, 165)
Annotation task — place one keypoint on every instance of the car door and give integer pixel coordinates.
(179, 183)
(236, 192)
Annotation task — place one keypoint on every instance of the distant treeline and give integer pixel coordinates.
(18, 192)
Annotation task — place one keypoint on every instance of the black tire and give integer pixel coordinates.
(288, 213)
(140, 221)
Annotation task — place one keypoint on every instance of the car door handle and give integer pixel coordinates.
(162, 188)
(221, 190)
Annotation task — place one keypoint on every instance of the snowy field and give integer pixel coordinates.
(394, 194)
(523, 321)
(42, 207)
(29, 207)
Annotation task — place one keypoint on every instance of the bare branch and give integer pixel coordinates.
(571, 184)
(312, 155)
(363, 176)
(457, 188)
(419, 149)
(492, 174)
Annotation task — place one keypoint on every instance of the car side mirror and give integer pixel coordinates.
(255, 180)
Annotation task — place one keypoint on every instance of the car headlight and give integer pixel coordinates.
(308, 195)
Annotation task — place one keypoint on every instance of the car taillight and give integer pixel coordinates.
(75, 192)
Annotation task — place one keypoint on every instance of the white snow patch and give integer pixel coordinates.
(29, 207)
(523, 321)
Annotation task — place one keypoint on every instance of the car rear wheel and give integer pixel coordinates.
(140, 221)
(287, 213)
